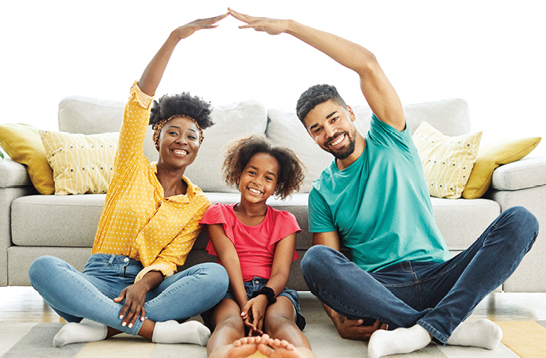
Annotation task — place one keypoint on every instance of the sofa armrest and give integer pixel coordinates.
(14, 183)
(13, 174)
(525, 173)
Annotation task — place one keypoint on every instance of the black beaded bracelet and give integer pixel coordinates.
(268, 292)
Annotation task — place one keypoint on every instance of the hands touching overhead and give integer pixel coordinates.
(265, 24)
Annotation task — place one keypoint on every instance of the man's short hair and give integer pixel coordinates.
(314, 96)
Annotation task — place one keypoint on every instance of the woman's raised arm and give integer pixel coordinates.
(154, 71)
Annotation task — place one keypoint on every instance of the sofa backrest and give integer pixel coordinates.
(78, 114)
(86, 115)
(449, 116)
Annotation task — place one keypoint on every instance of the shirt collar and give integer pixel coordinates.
(191, 191)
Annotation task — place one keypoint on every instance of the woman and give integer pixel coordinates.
(148, 225)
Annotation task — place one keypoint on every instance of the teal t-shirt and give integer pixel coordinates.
(379, 205)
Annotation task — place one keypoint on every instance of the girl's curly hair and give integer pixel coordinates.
(239, 153)
(182, 104)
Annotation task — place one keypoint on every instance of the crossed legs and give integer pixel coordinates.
(89, 295)
(449, 291)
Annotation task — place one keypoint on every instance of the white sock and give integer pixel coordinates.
(85, 331)
(187, 332)
(482, 333)
(401, 340)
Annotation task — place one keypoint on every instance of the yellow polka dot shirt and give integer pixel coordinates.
(137, 220)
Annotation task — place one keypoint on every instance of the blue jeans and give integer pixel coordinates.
(435, 295)
(89, 294)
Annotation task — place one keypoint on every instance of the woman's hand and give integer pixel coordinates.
(271, 26)
(253, 314)
(135, 297)
(187, 30)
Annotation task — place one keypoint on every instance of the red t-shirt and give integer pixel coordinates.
(255, 245)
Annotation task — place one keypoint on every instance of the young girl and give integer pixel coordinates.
(256, 245)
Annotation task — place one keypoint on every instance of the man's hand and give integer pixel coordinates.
(271, 26)
(353, 328)
(210, 23)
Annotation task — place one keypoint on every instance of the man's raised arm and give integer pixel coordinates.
(377, 89)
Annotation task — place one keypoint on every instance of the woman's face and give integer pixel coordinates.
(178, 143)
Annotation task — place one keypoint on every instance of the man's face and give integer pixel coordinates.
(331, 127)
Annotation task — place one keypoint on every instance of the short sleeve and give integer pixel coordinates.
(217, 214)
(385, 135)
(142, 98)
(320, 216)
(284, 224)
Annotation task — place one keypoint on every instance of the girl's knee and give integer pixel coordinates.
(277, 325)
(234, 323)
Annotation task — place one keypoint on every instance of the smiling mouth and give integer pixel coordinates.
(337, 140)
(180, 152)
(254, 191)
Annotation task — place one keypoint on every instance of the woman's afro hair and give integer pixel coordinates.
(239, 153)
(182, 104)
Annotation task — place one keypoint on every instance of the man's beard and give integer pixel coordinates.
(344, 152)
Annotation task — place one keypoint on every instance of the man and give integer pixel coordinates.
(401, 288)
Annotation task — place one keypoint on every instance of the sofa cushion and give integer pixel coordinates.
(490, 157)
(449, 116)
(81, 163)
(462, 221)
(447, 161)
(23, 144)
(61, 221)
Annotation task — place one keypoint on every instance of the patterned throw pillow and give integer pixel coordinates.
(447, 161)
(81, 163)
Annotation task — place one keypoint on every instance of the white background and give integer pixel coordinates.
(491, 53)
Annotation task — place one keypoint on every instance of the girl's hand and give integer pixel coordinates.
(187, 30)
(253, 314)
(135, 297)
(271, 26)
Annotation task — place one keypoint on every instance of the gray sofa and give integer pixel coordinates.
(32, 225)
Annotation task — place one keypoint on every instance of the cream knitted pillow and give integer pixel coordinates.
(81, 163)
(447, 161)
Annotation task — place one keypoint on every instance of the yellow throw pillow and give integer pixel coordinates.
(447, 161)
(23, 144)
(490, 157)
(81, 163)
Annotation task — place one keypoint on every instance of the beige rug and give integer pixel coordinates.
(521, 339)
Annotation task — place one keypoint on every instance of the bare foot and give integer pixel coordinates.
(241, 348)
(275, 348)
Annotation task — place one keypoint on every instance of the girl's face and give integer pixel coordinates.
(178, 143)
(259, 178)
